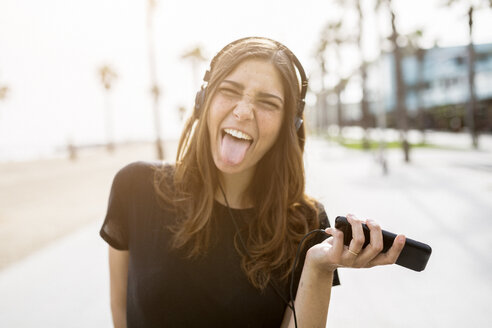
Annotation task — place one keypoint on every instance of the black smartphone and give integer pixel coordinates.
(414, 255)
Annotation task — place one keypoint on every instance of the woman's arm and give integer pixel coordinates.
(118, 276)
(314, 291)
(313, 298)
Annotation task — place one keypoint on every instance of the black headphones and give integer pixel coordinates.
(201, 94)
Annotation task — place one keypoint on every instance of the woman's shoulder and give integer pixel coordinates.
(312, 212)
(139, 173)
(139, 169)
(320, 213)
(322, 216)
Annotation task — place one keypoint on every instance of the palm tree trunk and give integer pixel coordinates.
(340, 112)
(400, 90)
(323, 123)
(363, 74)
(471, 105)
(153, 81)
(420, 100)
(109, 124)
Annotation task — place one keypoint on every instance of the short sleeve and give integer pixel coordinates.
(316, 239)
(115, 227)
(325, 223)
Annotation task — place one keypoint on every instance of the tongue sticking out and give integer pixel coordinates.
(233, 149)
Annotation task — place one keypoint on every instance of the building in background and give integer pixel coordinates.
(436, 85)
(436, 91)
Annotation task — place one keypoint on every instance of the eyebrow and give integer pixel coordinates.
(260, 94)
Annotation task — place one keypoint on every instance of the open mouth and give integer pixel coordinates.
(237, 134)
(234, 145)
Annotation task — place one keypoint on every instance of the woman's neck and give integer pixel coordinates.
(235, 188)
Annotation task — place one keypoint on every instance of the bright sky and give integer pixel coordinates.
(50, 51)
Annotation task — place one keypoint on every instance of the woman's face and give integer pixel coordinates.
(245, 116)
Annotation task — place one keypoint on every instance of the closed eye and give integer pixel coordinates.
(228, 91)
(269, 104)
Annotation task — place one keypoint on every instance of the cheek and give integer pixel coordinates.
(217, 112)
(269, 125)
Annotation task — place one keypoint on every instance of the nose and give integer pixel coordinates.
(244, 110)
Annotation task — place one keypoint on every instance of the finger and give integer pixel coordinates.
(328, 240)
(352, 251)
(358, 237)
(375, 246)
(337, 241)
(391, 255)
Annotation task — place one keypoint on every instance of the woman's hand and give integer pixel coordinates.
(332, 253)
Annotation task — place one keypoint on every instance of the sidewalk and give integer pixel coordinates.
(43, 200)
(66, 284)
(443, 198)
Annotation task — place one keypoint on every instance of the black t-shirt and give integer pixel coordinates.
(165, 289)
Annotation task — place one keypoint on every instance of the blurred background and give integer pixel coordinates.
(399, 113)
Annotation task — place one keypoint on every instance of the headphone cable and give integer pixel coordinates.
(290, 303)
(243, 244)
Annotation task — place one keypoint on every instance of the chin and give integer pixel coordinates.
(225, 168)
(229, 168)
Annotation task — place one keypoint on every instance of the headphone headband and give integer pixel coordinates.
(200, 96)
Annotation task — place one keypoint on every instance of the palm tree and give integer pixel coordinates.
(339, 88)
(3, 92)
(320, 57)
(4, 89)
(331, 38)
(196, 57)
(472, 5)
(472, 103)
(415, 48)
(107, 76)
(363, 75)
(362, 71)
(155, 90)
(401, 109)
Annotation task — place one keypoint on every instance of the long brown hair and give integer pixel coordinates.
(284, 214)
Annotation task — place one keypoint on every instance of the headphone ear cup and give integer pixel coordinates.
(199, 100)
(300, 109)
(298, 122)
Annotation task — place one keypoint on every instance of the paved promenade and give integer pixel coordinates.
(443, 198)
(65, 284)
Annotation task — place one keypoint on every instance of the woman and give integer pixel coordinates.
(211, 241)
